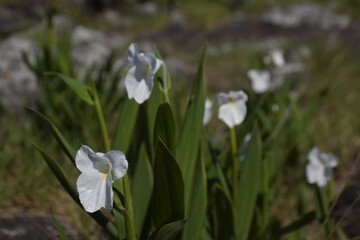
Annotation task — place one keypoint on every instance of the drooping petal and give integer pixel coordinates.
(87, 160)
(137, 86)
(331, 160)
(118, 162)
(232, 114)
(95, 191)
(312, 172)
(323, 177)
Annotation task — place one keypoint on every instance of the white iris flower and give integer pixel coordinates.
(139, 80)
(232, 109)
(276, 57)
(207, 112)
(98, 171)
(260, 80)
(319, 168)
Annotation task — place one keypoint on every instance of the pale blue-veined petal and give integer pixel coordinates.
(118, 162)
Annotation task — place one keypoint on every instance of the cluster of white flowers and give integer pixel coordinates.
(99, 170)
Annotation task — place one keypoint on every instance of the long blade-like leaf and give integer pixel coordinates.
(125, 126)
(165, 126)
(189, 140)
(249, 187)
(65, 145)
(170, 231)
(58, 226)
(79, 88)
(197, 201)
(168, 194)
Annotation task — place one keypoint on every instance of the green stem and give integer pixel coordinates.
(265, 192)
(129, 217)
(101, 120)
(235, 164)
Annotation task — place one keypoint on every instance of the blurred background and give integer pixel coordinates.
(319, 41)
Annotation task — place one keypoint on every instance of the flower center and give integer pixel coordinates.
(105, 169)
(146, 70)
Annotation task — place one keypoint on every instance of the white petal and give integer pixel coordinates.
(94, 191)
(118, 162)
(132, 53)
(323, 177)
(260, 80)
(277, 57)
(87, 160)
(238, 96)
(232, 114)
(207, 111)
(313, 155)
(137, 86)
(312, 172)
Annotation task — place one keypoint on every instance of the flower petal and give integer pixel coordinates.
(260, 80)
(137, 86)
(207, 111)
(95, 191)
(313, 155)
(132, 53)
(118, 162)
(87, 160)
(232, 114)
(312, 172)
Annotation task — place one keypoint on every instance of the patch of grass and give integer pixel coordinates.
(205, 14)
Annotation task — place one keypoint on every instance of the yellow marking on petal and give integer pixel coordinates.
(146, 70)
(232, 104)
(104, 175)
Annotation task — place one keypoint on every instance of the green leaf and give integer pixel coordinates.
(142, 187)
(248, 187)
(120, 223)
(64, 180)
(79, 88)
(65, 145)
(340, 233)
(59, 228)
(165, 126)
(299, 223)
(190, 132)
(125, 126)
(148, 117)
(168, 194)
(197, 201)
(170, 231)
(223, 215)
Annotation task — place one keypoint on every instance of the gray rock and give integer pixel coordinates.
(306, 14)
(147, 9)
(17, 83)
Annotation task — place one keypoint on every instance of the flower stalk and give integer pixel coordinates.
(129, 217)
(235, 164)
